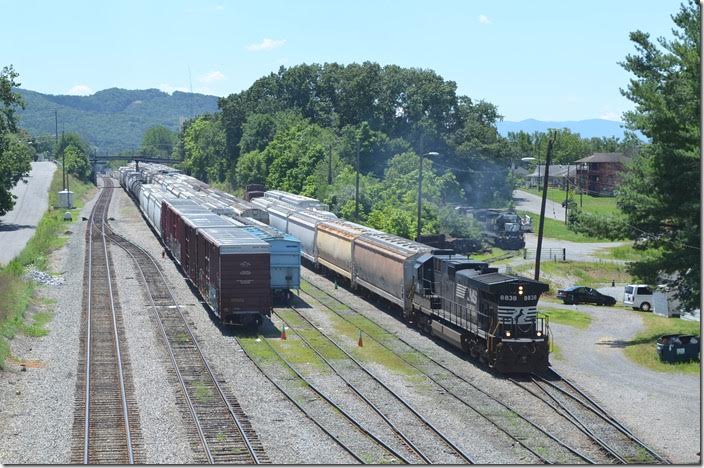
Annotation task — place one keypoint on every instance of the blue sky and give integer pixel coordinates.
(549, 60)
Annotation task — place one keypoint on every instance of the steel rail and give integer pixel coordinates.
(216, 384)
(89, 338)
(608, 447)
(359, 393)
(189, 402)
(348, 416)
(454, 394)
(298, 405)
(602, 413)
(450, 444)
(570, 417)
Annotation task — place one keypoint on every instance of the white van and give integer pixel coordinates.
(638, 296)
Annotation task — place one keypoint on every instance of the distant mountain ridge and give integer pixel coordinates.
(586, 128)
(113, 119)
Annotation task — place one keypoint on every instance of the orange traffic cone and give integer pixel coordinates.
(283, 332)
(360, 342)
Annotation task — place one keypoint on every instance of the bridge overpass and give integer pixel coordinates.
(95, 159)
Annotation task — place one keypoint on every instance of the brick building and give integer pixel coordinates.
(600, 173)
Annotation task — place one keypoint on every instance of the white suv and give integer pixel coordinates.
(638, 296)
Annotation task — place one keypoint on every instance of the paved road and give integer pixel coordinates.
(18, 226)
(528, 202)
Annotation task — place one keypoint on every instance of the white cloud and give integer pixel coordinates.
(169, 88)
(611, 116)
(266, 44)
(483, 19)
(211, 77)
(80, 90)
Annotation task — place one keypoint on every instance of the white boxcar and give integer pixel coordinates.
(299, 201)
(302, 225)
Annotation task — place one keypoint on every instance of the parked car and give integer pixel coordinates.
(584, 295)
(638, 296)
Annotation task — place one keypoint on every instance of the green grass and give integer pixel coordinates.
(202, 392)
(16, 293)
(641, 349)
(36, 328)
(571, 318)
(626, 252)
(590, 204)
(558, 230)
(586, 273)
(493, 253)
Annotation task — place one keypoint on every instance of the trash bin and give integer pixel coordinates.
(678, 348)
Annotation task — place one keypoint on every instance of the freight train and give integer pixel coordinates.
(491, 316)
(238, 265)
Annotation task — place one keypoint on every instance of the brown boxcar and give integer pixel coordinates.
(172, 224)
(191, 223)
(233, 274)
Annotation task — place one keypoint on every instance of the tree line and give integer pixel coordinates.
(308, 128)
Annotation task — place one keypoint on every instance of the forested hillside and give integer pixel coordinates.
(307, 128)
(114, 119)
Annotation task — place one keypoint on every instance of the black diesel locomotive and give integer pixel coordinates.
(491, 316)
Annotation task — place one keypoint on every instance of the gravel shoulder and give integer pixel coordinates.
(662, 409)
(36, 406)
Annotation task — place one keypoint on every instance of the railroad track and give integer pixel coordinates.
(343, 428)
(106, 419)
(409, 423)
(220, 428)
(615, 442)
(567, 400)
(541, 443)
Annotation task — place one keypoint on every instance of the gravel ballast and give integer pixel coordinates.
(37, 405)
(163, 431)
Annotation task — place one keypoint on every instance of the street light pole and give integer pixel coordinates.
(420, 191)
(356, 186)
(539, 249)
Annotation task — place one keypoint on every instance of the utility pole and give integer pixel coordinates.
(63, 161)
(356, 186)
(538, 252)
(581, 188)
(420, 187)
(330, 165)
(567, 191)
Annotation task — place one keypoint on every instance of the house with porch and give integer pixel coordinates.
(600, 174)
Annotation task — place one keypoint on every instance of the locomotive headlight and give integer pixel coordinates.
(538, 333)
(520, 290)
(508, 333)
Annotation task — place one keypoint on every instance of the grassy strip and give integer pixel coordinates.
(590, 204)
(641, 349)
(16, 294)
(626, 252)
(495, 252)
(572, 318)
(558, 230)
(586, 273)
